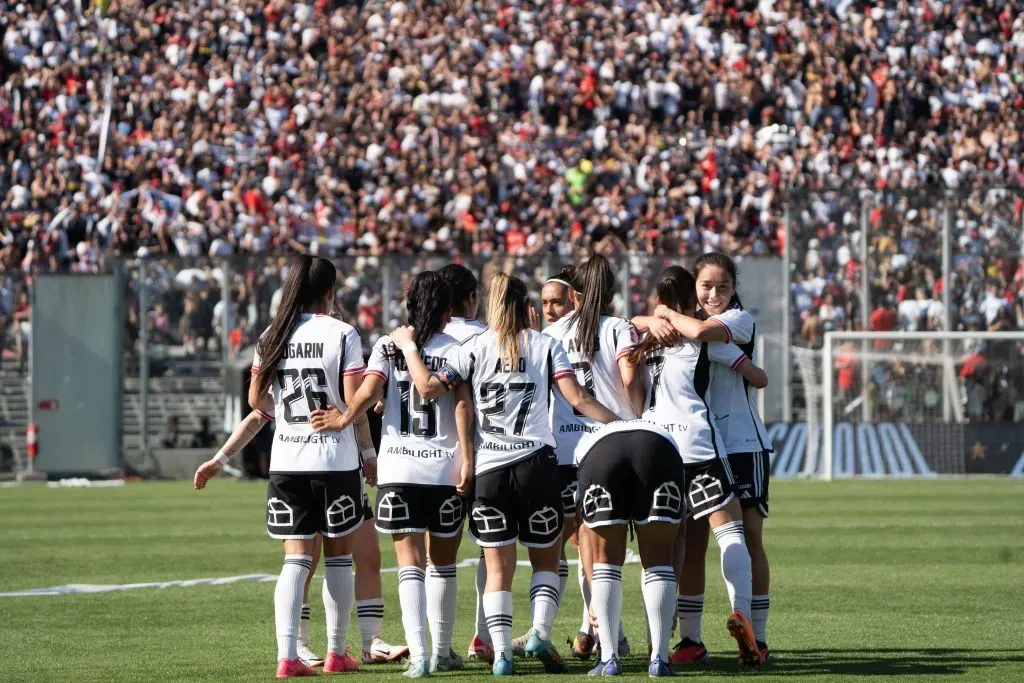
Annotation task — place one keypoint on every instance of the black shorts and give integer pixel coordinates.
(367, 508)
(631, 476)
(300, 505)
(567, 477)
(414, 509)
(751, 472)
(521, 501)
(709, 487)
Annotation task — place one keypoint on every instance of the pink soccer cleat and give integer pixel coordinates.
(293, 668)
(341, 664)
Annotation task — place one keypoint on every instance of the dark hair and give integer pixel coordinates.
(676, 289)
(717, 258)
(462, 283)
(429, 300)
(597, 282)
(508, 314)
(567, 274)
(310, 279)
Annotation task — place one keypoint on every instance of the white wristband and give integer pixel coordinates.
(411, 347)
(368, 453)
(222, 458)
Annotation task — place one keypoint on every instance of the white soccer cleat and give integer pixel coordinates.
(382, 653)
(309, 658)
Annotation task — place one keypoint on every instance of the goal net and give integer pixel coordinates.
(890, 404)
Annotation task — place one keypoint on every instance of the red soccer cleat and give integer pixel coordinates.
(688, 652)
(481, 649)
(341, 664)
(293, 668)
(741, 629)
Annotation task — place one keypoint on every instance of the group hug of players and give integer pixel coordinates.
(572, 434)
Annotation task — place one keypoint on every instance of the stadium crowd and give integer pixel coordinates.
(366, 129)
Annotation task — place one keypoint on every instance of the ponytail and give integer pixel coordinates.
(508, 315)
(597, 282)
(429, 302)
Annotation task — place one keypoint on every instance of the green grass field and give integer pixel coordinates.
(879, 579)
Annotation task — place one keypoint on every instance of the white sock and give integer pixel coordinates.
(759, 616)
(498, 608)
(581, 578)
(441, 595)
(544, 602)
(338, 595)
(606, 600)
(481, 615)
(659, 599)
(689, 610)
(563, 578)
(369, 615)
(412, 596)
(303, 638)
(288, 603)
(735, 565)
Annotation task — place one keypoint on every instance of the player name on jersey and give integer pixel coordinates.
(433, 363)
(304, 350)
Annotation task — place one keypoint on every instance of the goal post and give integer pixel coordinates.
(914, 403)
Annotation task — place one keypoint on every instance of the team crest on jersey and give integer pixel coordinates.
(569, 492)
(341, 511)
(391, 508)
(703, 490)
(489, 519)
(544, 522)
(667, 498)
(596, 499)
(450, 512)
(279, 513)
(634, 335)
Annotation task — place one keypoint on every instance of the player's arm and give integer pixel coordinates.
(361, 429)
(659, 328)
(464, 427)
(698, 330)
(583, 402)
(370, 391)
(427, 384)
(633, 382)
(751, 372)
(243, 433)
(733, 356)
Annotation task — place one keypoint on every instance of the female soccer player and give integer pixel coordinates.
(558, 296)
(679, 391)
(746, 442)
(597, 345)
(311, 361)
(425, 467)
(511, 370)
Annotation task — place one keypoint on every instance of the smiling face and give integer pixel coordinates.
(715, 288)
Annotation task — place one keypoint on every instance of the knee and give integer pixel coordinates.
(367, 559)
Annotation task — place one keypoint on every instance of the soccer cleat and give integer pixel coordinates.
(659, 669)
(624, 647)
(519, 644)
(341, 664)
(382, 653)
(763, 647)
(481, 649)
(502, 667)
(741, 629)
(293, 668)
(451, 662)
(688, 652)
(417, 668)
(613, 667)
(310, 658)
(545, 651)
(583, 647)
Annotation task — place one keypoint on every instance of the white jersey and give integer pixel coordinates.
(462, 329)
(738, 324)
(732, 402)
(511, 402)
(589, 440)
(599, 377)
(418, 441)
(678, 384)
(320, 352)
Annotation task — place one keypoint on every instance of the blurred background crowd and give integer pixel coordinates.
(513, 132)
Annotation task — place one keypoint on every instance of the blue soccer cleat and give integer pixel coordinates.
(613, 667)
(547, 653)
(659, 668)
(502, 667)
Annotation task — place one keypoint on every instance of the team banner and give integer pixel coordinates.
(894, 449)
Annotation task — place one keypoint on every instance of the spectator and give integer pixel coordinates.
(204, 438)
(172, 435)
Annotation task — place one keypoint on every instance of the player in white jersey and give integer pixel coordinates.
(513, 371)
(558, 296)
(425, 468)
(746, 443)
(365, 555)
(311, 361)
(679, 392)
(597, 345)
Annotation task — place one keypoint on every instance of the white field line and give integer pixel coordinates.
(89, 588)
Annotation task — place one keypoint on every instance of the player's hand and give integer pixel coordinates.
(406, 334)
(370, 471)
(534, 318)
(207, 471)
(379, 408)
(664, 332)
(593, 619)
(465, 479)
(327, 420)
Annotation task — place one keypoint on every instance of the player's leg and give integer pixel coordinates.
(755, 511)
(480, 646)
(656, 541)
(497, 601)
(691, 553)
(606, 546)
(411, 553)
(341, 496)
(444, 524)
(369, 593)
(306, 654)
(727, 525)
(583, 644)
